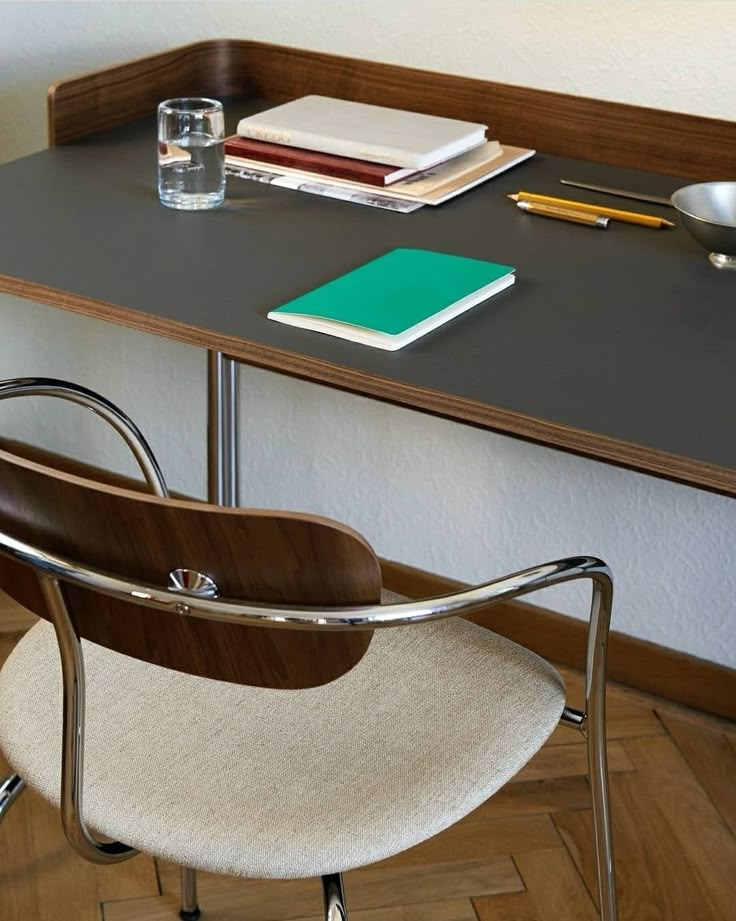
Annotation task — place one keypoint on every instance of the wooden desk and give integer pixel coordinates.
(617, 346)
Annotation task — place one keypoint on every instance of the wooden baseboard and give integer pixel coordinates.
(645, 666)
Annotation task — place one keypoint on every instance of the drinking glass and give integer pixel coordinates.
(191, 153)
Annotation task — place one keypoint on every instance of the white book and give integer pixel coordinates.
(364, 132)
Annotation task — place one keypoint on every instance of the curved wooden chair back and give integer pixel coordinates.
(261, 556)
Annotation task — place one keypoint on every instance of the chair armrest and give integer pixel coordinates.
(52, 569)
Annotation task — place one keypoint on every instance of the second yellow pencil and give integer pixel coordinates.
(629, 217)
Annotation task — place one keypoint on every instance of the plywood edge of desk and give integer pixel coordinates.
(583, 443)
(618, 134)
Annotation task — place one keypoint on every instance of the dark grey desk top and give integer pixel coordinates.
(617, 344)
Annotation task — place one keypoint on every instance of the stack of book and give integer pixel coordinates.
(372, 155)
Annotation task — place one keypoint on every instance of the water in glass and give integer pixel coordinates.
(191, 153)
(191, 172)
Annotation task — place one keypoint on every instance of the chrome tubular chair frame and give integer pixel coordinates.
(189, 909)
(72, 764)
(13, 785)
(10, 789)
(123, 425)
(333, 896)
(53, 570)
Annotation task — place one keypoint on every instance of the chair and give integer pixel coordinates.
(237, 698)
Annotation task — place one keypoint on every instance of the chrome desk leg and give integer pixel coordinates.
(189, 910)
(10, 789)
(333, 894)
(222, 429)
(222, 489)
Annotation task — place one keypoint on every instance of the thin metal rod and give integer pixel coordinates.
(115, 417)
(232, 479)
(595, 725)
(215, 428)
(10, 789)
(333, 896)
(72, 765)
(189, 910)
(222, 429)
(575, 719)
(621, 193)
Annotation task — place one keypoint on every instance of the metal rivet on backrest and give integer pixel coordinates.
(192, 582)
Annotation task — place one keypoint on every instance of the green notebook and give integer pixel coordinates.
(396, 298)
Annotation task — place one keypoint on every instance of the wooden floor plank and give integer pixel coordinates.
(369, 888)
(554, 889)
(516, 906)
(458, 910)
(165, 908)
(569, 760)
(699, 829)
(622, 727)
(475, 838)
(711, 756)
(42, 879)
(655, 881)
(536, 797)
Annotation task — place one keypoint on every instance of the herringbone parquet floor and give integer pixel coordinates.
(524, 856)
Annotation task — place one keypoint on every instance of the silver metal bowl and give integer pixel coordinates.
(708, 212)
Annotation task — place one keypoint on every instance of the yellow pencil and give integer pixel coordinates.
(629, 217)
(564, 214)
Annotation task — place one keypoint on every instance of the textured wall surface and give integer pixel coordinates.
(432, 493)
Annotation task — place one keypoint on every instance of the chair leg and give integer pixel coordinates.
(598, 770)
(333, 893)
(189, 910)
(10, 789)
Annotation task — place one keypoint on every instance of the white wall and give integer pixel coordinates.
(432, 493)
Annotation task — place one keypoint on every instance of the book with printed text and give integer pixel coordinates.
(433, 186)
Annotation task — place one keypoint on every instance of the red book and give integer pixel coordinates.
(314, 161)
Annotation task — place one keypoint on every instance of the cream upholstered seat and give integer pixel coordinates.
(251, 708)
(431, 722)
